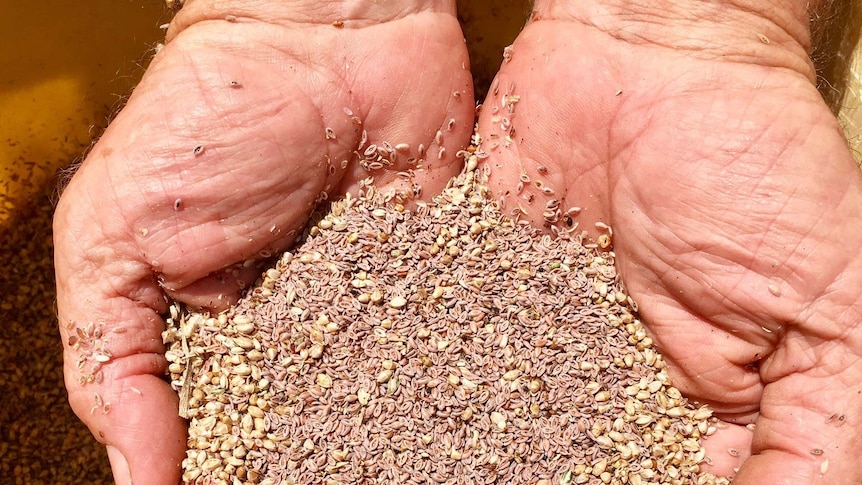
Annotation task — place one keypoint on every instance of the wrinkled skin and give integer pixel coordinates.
(719, 167)
(122, 245)
(736, 211)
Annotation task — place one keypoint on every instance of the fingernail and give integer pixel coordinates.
(119, 467)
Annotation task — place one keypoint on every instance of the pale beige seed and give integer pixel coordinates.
(467, 414)
(339, 455)
(511, 375)
(384, 375)
(392, 385)
(324, 381)
(241, 320)
(398, 302)
(316, 351)
(774, 289)
(363, 396)
(535, 385)
(604, 241)
(499, 420)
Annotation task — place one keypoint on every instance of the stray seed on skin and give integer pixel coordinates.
(774, 290)
(604, 241)
(763, 38)
(508, 51)
(199, 150)
(733, 452)
(230, 18)
(441, 153)
(824, 467)
(338, 24)
(136, 391)
(329, 133)
(178, 204)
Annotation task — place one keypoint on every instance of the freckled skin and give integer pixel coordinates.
(735, 207)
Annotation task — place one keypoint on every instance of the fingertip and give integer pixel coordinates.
(119, 466)
(145, 436)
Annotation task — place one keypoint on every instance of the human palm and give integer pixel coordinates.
(242, 123)
(735, 207)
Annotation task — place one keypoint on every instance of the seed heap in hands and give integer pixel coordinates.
(445, 344)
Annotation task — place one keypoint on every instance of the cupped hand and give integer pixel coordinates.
(696, 133)
(251, 114)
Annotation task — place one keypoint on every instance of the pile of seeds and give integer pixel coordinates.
(444, 344)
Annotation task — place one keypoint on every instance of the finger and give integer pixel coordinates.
(809, 427)
(220, 290)
(726, 448)
(546, 141)
(113, 358)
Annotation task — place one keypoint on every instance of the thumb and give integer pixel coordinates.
(810, 422)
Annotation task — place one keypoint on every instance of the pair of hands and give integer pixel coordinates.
(694, 130)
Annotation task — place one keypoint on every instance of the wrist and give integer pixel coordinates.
(338, 13)
(761, 32)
